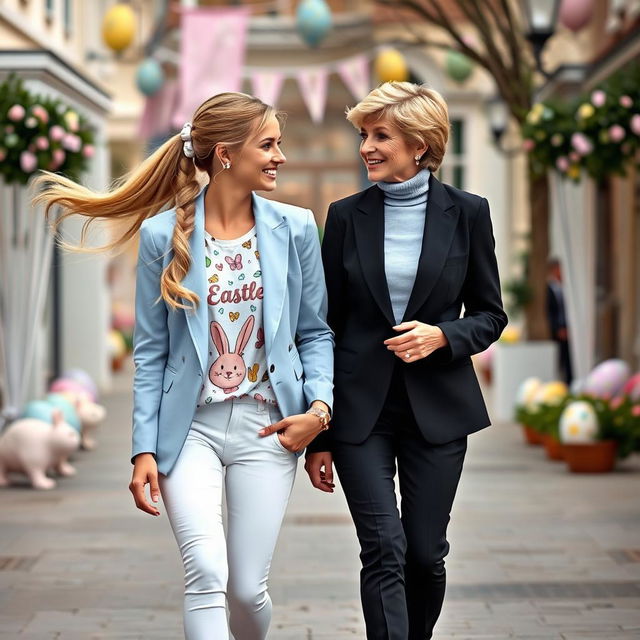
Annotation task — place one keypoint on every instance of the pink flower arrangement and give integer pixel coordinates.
(59, 157)
(598, 98)
(31, 122)
(635, 124)
(581, 144)
(88, 151)
(616, 402)
(635, 410)
(42, 143)
(562, 164)
(528, 144)
(16, 113)
(574, 156)
(617, 133)
(28, 162)
(626, 102)
(56, 133)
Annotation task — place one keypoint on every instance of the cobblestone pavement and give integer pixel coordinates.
(536, 553)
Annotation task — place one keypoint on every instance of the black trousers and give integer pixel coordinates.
(402, 581)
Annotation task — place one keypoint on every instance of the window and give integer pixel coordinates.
(453, 170)
(68, 17)
(49, 10)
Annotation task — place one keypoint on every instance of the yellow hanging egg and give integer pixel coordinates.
(119, 27)
(391, 66)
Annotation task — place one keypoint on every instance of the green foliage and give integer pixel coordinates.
(37, 132)
(519, 292)
(598, 134)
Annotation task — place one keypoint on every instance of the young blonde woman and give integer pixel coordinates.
(230, 337)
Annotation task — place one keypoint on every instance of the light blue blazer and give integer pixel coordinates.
(171, 347)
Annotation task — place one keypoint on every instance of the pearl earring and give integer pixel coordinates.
(227, 165)
(417, 159)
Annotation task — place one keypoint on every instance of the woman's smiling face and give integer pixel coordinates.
(386, 153)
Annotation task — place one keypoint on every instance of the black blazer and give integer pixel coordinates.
(457, 266)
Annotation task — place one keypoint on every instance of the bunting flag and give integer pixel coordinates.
(313, 86)
(267, 85)
(158, 111)
(212, 49)
(355, 75)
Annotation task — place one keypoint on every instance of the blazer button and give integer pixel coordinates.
(183, 358)
(290, 347)
(272, 368)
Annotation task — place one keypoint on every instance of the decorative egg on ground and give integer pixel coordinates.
(551, 393)
(526, 391)
(579, 423)
(608, 378)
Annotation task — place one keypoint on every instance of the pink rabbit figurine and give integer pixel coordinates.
(229, 370)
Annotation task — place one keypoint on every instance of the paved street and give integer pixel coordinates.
(536, 553)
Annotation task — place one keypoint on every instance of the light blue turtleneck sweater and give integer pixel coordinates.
(405, 206)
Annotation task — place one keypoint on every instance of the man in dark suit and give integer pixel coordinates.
(558, 318)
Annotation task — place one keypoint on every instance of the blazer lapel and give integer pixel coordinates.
(273, 243)
(196, 281)
(369, 234)
(440, 225)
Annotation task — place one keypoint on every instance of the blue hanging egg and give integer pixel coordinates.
(149, 76)
(313, 21)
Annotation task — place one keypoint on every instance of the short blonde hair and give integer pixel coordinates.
(418, 111)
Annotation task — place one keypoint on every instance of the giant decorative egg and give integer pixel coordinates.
(632, 387)
(578, 423)
(69, 412)
(313, 21)
(390, 66)
(552, 393)
(608, 378)
(119, 26)
(149, 76)
(527, 391)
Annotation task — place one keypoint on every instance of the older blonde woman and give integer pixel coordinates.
(401, 259)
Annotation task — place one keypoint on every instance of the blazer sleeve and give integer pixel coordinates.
(332, 245)
(484, 317)
(314, 337)
(150, 346)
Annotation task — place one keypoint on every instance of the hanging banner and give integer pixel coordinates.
(212, 49)
(267, 86)
(355, 75)
(313, 86)
(159, 110)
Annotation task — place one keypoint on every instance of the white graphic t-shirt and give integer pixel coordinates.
(237, 358)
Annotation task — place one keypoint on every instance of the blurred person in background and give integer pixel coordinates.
(557, 317)
(401, 259)
(230, 336)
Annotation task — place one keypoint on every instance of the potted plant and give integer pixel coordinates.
(547, 421)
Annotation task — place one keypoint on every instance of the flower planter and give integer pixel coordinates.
(553, 447)
(594, 457)
(531, 436)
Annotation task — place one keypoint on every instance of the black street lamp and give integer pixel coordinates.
(540, 23)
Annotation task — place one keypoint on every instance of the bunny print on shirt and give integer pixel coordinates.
(234, 302)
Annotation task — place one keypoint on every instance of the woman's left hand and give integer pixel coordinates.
(295, 432)
(418, 340)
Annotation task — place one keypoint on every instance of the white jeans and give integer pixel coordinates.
(223, 448)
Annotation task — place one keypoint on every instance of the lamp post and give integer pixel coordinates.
(540, 22)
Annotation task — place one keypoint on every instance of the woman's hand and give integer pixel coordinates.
(418, 341)
(295, 432)
(145, 471)
(319, 466)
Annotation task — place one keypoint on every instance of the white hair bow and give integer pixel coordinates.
(185, 136)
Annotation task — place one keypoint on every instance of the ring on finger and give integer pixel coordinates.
(407, 355)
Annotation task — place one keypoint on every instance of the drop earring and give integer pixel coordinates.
(417, 159)
(227, 165)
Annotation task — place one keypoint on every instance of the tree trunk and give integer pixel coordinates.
(536, 312)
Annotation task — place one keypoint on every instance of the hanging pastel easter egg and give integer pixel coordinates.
(579, 423)
(632, 387)
(527, 390)
(38, 410)
(391, 66)
(552, 393)
(68, 409)
(119, 26)
(149, 76)
(458, 66)
(313, 21)
(575, 14)
(84, 379)
(608, 378)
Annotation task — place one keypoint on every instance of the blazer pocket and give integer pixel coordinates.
(167, 379)
(296, 362)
